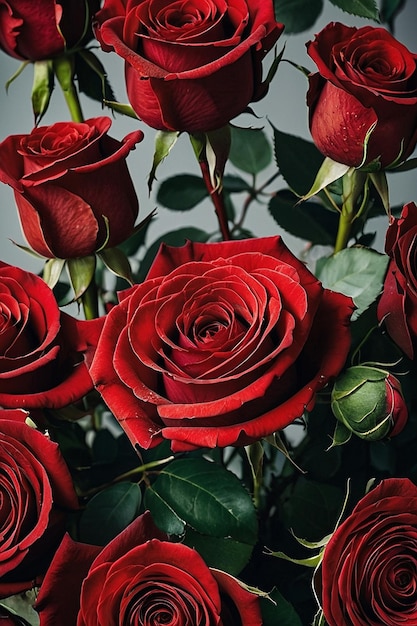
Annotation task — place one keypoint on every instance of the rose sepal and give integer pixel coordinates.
(117, 262)
(81, 273)
(165, 140)
(329, 172)
(43, 85)
(119, 107)
(15, 75)
(379, 180)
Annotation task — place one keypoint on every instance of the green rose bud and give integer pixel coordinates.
(368, 402)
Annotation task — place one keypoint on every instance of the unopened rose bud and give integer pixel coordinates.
(368, 401)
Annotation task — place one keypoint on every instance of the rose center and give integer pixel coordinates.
(403, 579)
(207, 332)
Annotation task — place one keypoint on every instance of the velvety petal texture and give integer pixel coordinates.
(369, 568)
(363, 98)
(140, 579)
(36, 494)
(63, 25)
(222, 344)
(397, 307)
(190, 65)
(42, 349)
(72, 187)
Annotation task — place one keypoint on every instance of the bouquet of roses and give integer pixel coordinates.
(205, 428)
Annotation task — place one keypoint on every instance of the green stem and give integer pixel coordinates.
(64, 71)
(140, 469)
(89, 301)
(343, 231)
(353, 185)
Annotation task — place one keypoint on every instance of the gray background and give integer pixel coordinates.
(284, 106)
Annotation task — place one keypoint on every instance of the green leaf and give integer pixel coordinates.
(389, 10)
(181, 192)
(277, 610)
(356, 272)
(298, 160)
(131, 245)
(109, 512)
(163, 514)
(362, 8)
(309, 220)
(250, 151)
(224, 554)
(209, 498)
(92, 77)
(297, 15)
(235, 184)
(311, 508)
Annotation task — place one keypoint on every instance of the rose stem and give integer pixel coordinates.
(353, 185)
(89, 301)
(217, 197)
(64, 71)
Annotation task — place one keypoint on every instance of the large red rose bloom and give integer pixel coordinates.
(222, 344)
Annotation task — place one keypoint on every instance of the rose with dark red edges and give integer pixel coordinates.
(72, 186)
(222, 344)
(190, 66)
(141, 578)
(42, 349)
(46, 28)
(363, 99)
(36, 495)
(397, 307)
(368, 572)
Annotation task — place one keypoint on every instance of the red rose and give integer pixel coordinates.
(41, 348)
(397, 307)
(141, 578)
(201, 61)
(224, 343)
(72, 186)
(36, 493)
(368, 573)
(366, 84)
(44, 29)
